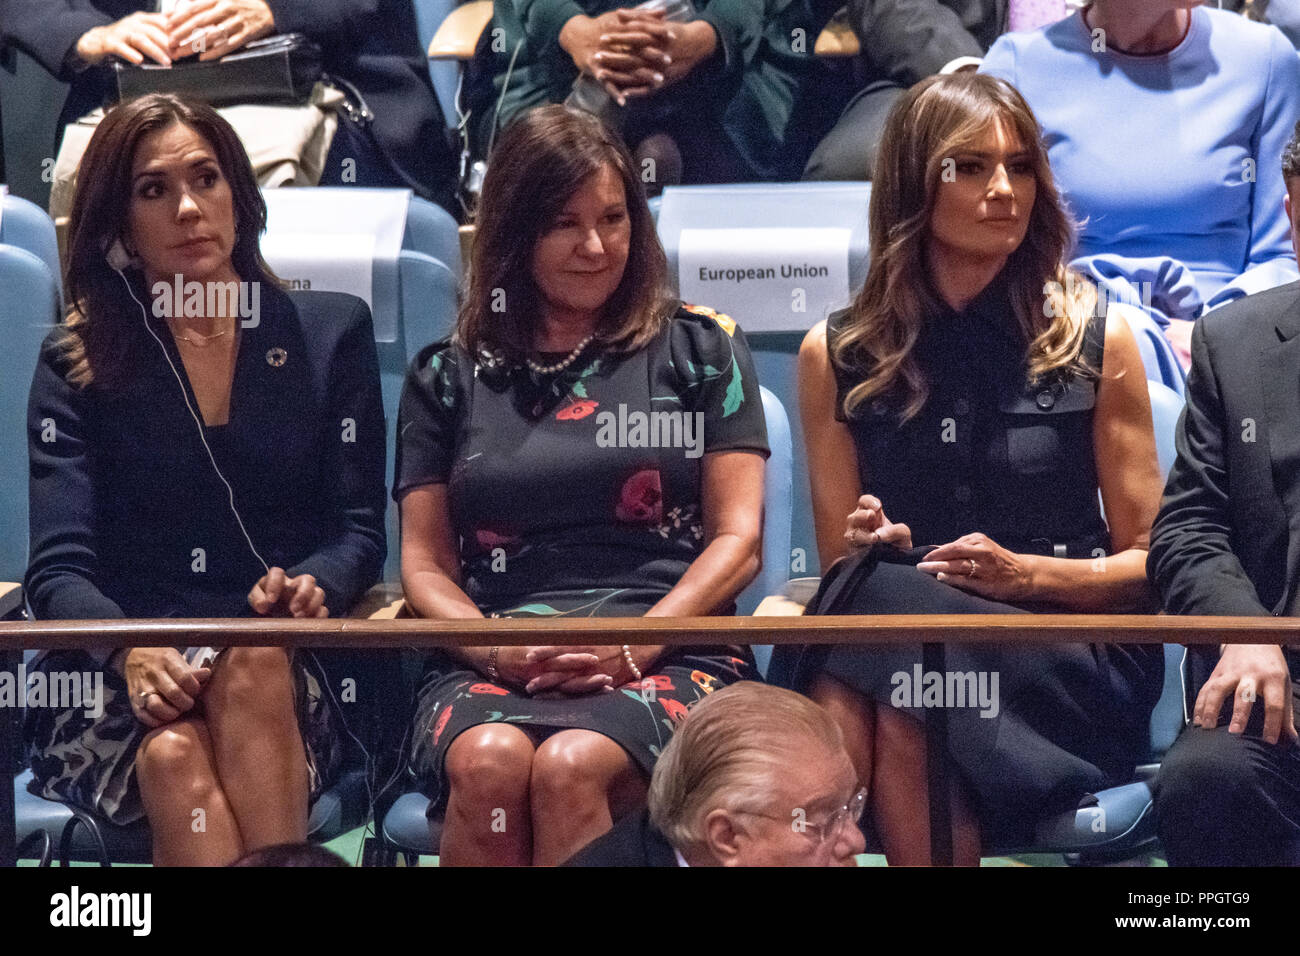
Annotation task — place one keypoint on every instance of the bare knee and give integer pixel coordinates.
(489, 761)
(856, 717)
(576, 765)
(173, 760)
(247, 678)
(899, 734)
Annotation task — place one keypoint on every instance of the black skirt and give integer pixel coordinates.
(1032, 730)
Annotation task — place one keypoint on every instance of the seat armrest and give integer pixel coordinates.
(837, 39)
(11, 600)
(794, 597)
(458, 35)
(383, 602)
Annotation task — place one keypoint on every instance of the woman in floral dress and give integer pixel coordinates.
(583, 446)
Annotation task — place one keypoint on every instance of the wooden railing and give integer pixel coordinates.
(846, 629)
(932, 631)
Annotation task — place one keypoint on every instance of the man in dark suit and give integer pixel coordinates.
(903, 42)
(369, 44)
(1227, 541)
(756, 776)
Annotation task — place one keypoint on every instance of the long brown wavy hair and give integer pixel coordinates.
(937, 118)
(103, 329)
(539, 162)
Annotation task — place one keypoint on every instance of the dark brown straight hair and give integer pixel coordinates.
(539, 162)
(103, 329)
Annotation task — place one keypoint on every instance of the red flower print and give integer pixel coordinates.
(660, 682)
(641, 498)
(675, 709)
(442, 723)
(581, 409)
(488, 689)
(487, 540)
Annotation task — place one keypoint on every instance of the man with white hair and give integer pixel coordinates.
(755, 776)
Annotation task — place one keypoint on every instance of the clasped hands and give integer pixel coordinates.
(545, 671)
(210, 28)
(635, 52)
(163, 685)
(974, 562)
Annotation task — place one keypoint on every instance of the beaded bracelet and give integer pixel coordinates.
(627, 656)
(493, 673)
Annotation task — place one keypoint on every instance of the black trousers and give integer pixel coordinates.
(1226, 799)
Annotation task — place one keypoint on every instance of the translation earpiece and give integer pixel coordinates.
(117, 256)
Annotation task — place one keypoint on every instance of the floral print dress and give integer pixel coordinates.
(577, 494)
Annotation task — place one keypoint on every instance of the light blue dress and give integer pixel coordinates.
(1172, 162)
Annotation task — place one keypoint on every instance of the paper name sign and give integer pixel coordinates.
(337, 262)
(767, 279)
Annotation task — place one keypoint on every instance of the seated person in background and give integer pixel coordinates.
(1283, 14)
(903, 42)
(1228, 792)
(1164, 125)
(270, 503)
(734, 95)
(530, 487)
(755, 776)
(985, 419)
(369, 44)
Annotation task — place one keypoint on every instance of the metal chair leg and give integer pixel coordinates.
(41, 837)
(81, 818)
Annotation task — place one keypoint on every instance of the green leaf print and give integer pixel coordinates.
(579, 389)
(537, 610)
(735, 396)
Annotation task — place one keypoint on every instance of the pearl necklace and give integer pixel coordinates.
(561, 365)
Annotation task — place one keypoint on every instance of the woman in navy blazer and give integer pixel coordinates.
(216, 453)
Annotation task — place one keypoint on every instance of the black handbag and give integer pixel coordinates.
(793, 665)
(278, 69)
(843, 579)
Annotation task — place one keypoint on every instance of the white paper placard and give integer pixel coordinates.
(341, 239)
(766, 278)
(336, 262)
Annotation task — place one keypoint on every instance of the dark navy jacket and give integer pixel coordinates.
(128, 517)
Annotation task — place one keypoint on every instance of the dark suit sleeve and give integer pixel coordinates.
(60, 580)
(1191, 560)
(908, 40)
(49, 29)
(323, 18)
(739, 25)
(353, 559)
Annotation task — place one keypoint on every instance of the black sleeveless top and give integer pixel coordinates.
(988, 451)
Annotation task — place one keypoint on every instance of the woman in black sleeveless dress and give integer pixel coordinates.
(974, 392)
(591, 450)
